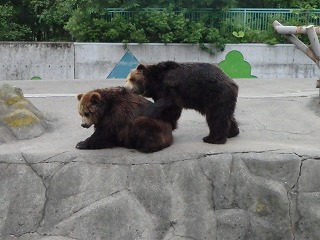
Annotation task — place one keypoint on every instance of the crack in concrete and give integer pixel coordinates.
(98, 200)
(234, 203)
(299, 175)
(287, 132)
(245, 152)
(40, 235)
(172, 223)
(280, 96)
(63, 164)
(8, 163)
(142, 163)
(212, 187)
(132, 194)
(93, 203)
(186, 237)
(305, 157)
(192, 158)
(294, 190)
(290, 216)
(18, 236)
(45, 193)
(47, 159)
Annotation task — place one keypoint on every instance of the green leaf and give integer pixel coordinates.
(239, 34)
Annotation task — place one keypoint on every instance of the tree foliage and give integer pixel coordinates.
(10, 29)
(88, 20)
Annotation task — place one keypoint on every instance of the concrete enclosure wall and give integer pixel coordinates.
(19, 61)
(24, 60)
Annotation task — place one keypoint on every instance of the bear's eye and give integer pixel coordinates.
(86, 114)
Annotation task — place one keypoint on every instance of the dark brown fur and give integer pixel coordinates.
(119, 119)
(200, 86)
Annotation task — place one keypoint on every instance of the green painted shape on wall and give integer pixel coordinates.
(36, 78)
(235, 66)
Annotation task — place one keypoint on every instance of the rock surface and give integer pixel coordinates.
(19, 118)
(262, 185)
(263, 195)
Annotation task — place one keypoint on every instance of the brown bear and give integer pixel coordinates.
(120, 118)
(200, 86)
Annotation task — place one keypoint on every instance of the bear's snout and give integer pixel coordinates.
(128, 85)
(85, 125)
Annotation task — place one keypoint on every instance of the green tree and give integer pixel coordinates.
(277, 3)
(88, 20)
(180, 4)
(263, 3)
(304, 3)
(53, 15)
(10, 29)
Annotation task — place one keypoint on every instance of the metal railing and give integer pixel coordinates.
(253, 18)
(193, 15)
(261, 18)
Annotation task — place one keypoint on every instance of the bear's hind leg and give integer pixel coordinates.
(150, 135)
(218, 124)
(233, 128)
(166, 110)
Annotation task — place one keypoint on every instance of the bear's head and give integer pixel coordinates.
(136, 80)
(148, 80)
(89, 108)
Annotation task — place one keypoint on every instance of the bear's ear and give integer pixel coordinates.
(141, 67)
(95, 97)
(79, 96)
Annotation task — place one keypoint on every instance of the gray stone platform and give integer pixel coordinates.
(263, 184)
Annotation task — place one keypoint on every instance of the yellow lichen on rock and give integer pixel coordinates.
(11, 94)
(3, 107)
(14, 99)
(21, 104)
(20, 118)
(261, 208)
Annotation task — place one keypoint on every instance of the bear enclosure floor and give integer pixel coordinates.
(273, 115)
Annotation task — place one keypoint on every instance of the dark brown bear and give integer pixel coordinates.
(120, 118)
(200, 86)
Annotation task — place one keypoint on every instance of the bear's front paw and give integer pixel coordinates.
(82, 145)
(209, 139)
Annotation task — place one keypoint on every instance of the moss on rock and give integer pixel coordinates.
(21, 104)
(13, 99)
(20, 118)
(10, 94)
(4, 108)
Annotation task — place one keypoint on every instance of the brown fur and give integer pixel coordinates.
(118, 119)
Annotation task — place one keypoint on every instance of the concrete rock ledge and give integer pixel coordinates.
(262, 185)
(257, 195)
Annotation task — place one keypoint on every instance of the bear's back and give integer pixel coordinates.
(196, 83)
(122, 105)
(196, 72)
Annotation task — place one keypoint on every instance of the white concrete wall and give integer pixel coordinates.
(24, 60)
(278, 61)
(96, 60)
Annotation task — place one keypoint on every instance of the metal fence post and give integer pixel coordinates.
(313, 52)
